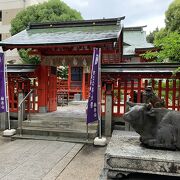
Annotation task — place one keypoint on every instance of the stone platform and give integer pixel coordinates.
(125, 155)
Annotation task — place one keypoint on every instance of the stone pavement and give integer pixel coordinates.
(35, 159)
(49, 160)
(87, 165)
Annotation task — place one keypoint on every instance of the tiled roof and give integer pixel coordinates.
(134, 37)
(67, 32)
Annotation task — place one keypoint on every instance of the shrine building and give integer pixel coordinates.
(63, 44)
(124, 74)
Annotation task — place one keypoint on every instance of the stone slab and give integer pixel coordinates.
(35, 159)
(86, 165)
(125, 153)
(53, 138)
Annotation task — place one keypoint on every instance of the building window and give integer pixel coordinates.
(76, 73)
(0, 15)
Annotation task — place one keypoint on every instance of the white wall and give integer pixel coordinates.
(4, 28)
(16, 4)
(11, 4)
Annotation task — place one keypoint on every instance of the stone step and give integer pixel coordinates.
(64, 117)
(60, 124)
(78, 103)
(54, 138)
(71, 133)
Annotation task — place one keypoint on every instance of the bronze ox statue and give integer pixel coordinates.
(158, 127)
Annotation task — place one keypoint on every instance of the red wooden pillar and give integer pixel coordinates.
(139, 91)
(160, 88)
(69, 79)
(167, 93)
(125, 94)
(132, 90)
(83, 85)
(52, 91)
(42, 88)
(174, 95)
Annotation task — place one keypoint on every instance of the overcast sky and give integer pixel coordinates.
(137, 12)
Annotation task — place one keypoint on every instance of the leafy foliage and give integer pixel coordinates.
(63, 72)
(51, 11)
(28, 59)
(169, 48)
(160, 34)
(173, 16)
(151, 36)
(168, 38)
(150, 55)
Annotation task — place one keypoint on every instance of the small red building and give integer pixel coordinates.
(71, 44)
(67, 44)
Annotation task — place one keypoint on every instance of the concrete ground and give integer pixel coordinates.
(87, 165)
(54, 160)
(35, 159)
(49, 160)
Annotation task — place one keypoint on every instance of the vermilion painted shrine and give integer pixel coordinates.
(124, 71)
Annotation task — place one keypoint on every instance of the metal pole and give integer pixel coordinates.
(20, 120)
(7, 95)
(20, 112)
(87, 131)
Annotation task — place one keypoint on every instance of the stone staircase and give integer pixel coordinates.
(67, 123)
(62, 128)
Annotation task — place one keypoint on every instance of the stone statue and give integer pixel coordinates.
(149, 96)
(157, 127)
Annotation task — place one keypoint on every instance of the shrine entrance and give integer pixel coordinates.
(67, 44)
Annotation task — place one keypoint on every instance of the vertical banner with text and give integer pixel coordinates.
(3, 103)
(93, 101)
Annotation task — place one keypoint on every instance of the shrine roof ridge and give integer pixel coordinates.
(150, 67)
(134, 28)
(21, 68)
(77, 23)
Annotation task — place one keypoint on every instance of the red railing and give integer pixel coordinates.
(132, 89)
(75, 87)
(17, 84)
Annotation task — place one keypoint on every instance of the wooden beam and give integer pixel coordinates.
(49, 46)
(82, 52)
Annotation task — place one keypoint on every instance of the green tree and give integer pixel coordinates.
(160, 34)
(172, 19)
(167, 40)
(169, 48)
(50, 11)
(62, 72)
(24, 54)
(150, 37)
